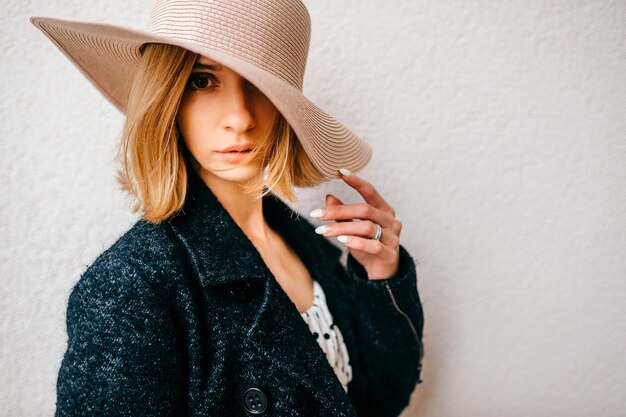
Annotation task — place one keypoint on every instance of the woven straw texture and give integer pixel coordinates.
(265, 41)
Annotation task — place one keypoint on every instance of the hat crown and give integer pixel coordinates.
(271, 34)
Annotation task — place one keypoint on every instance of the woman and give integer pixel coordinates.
(221, 299)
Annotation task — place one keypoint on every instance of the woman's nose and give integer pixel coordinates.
(239, 110)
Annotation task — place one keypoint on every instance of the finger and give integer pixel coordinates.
(331, 200)
(374, 247)
(367, 191)
(361, 211)
(365, 229)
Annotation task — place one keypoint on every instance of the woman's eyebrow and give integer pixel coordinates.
(207, 66)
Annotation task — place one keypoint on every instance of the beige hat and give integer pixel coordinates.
(265, 41)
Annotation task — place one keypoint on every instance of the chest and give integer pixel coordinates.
(289, 271)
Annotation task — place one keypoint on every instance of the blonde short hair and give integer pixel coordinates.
(154, 158)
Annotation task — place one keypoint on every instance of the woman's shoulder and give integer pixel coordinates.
(144, 255)
(122, 303)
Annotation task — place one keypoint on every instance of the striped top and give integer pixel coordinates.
(328, 335)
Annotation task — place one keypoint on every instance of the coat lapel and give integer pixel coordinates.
(221, 253)
(211, 236)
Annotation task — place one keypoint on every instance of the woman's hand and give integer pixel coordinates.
(380, 258)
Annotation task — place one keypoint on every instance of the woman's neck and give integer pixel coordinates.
(245, 210)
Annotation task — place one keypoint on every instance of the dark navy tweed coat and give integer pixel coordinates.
(184, 317)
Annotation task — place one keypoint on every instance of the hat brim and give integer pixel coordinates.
(109, 56)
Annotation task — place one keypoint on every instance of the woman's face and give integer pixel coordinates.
(220, 109)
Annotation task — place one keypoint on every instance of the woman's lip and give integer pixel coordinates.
(233, 156)
(244, 147)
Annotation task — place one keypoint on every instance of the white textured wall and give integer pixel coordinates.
(499, 137)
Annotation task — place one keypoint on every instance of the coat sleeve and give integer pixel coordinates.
(123, 356)
(391, 325)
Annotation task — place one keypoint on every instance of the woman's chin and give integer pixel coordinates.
(238, 173)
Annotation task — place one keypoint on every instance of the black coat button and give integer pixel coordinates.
(254, 401)
(241, 291)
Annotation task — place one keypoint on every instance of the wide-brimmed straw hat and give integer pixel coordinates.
(265, 41)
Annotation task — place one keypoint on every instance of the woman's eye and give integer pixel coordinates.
(200, 81)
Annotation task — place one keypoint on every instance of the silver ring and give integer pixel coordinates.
(379, 232)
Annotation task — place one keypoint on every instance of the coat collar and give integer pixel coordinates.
(221, 252)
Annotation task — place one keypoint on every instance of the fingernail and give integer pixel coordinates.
(317, 213)
(345, 171)
(343, 238)
(320, 230)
